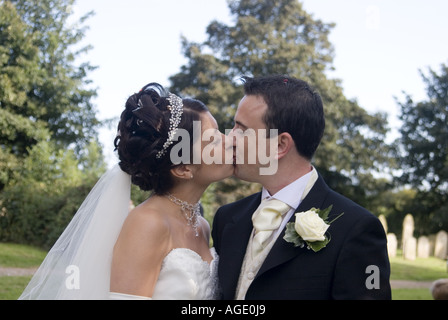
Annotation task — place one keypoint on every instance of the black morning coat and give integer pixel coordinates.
(354, 265)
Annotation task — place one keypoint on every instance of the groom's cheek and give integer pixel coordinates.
(240, 152)
(267, 153)
(271, 169)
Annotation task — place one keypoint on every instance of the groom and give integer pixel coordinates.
(256, 262)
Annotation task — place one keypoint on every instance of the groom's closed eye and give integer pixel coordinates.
(239, 125)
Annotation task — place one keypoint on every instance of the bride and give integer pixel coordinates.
(160, 250)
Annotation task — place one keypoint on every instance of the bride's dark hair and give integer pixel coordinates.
(142, 132)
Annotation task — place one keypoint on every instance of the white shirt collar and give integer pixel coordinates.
(292, 193)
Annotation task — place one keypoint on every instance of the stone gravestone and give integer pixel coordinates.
(410, 251)
(441, 245)
(408, 242)
(423, 247)
(392, 245)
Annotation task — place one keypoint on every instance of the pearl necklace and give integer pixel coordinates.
(190, 211)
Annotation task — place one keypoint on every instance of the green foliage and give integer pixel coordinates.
(19, 70)
(58, 94)
(424, 134)
(18, 57)
(279, 37)
(424, 151)
(45, 192)
(49, 154)
(41, 86)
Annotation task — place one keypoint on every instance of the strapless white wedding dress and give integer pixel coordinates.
(184, 275)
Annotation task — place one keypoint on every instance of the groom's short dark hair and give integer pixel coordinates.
(293, 107)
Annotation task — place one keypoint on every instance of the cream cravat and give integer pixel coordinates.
(266, 219)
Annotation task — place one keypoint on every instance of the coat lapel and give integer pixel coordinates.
(283, 251)
(233, 250)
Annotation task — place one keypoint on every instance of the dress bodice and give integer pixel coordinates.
(184, 275)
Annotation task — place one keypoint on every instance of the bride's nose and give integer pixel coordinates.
(231, 138)
(228, 141)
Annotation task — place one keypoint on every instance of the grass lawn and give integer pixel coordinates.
(411, 294)
(17, 256)
(429, 269)
(22, 256)
(420, 269)
(12, 287)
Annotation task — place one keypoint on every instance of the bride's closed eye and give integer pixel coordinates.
(216, 138)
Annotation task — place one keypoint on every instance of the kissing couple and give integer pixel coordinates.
(296, 239)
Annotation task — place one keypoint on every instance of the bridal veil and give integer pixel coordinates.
(78, 265)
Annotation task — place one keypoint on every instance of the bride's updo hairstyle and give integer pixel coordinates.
(143, 131)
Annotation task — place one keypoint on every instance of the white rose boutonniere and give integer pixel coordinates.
(310, 228)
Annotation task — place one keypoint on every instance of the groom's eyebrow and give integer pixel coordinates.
(240, 124)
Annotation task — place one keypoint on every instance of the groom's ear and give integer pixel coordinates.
(182, 171)
(285, 143)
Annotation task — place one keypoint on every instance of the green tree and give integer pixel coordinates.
(279, 37)
(44, 92)
(50, 157)
(18, 71)
(424, 150)
(41, 76)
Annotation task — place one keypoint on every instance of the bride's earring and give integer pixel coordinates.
(191, 176)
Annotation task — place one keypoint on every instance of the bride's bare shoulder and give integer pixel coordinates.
(143, 243)
(146, 224)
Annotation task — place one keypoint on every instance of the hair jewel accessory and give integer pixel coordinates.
(139, 106)
(176, 108)
(285, 81)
